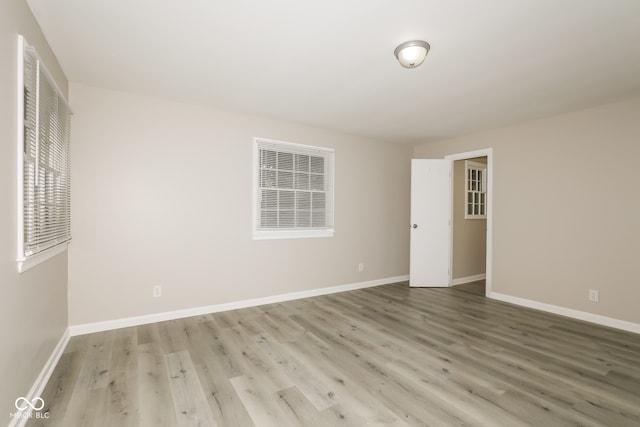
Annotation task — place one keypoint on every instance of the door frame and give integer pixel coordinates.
(488, 153)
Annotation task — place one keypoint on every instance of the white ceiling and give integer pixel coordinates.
(330, 63)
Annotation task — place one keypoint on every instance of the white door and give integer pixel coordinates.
(430, 258)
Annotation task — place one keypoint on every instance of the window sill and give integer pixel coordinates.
(25, 264)
(291, 234)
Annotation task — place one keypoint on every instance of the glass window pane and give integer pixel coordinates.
(269, 199)
(285, 179)
(318, 201)
(303, 218)
(286, 219)
(317, 164)
(302, 163)
(267, 178)
(318, 218)
(303, 200)
(269, 219)
(268, 159)
(317, 182)
(287, 200)
(285, 161)
(302, 181)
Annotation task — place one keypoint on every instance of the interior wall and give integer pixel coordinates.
(34, 304)
(469, 235)
(163, 195)
(565, 207)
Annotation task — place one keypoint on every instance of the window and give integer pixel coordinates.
(293, 194)
(476, 193)
(44, 203)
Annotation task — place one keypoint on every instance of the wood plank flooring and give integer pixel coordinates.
(384, 356)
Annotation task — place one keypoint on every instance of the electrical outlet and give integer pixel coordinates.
(361, 267)
(157, 291)
(593, 295)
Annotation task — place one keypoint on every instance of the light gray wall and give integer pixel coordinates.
(163, 195)
(469, 235)
(34, 304)
(565, 211)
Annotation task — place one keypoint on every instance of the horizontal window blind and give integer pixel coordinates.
(294, 187)
(46, 178)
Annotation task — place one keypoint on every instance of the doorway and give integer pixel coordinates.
(473, 230)
(431, 253)
(469, 221)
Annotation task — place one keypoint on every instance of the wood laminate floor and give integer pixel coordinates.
(384, 356)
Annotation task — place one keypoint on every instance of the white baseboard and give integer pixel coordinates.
(468, 279)
(569, 312)
(41, 381)
(88, 328)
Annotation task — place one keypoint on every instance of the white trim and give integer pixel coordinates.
(485, 152)
(88, 328)
(26, 263)
(488, 153)
(43, 378)
(468, 279)
(294, 145)
(20, 149)
(569, 312)
(291, 234)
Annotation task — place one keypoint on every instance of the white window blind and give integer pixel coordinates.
(293, 190)
(44, 160)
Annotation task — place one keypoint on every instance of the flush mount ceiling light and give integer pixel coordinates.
(412, 53)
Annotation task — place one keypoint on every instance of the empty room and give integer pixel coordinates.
(287, 213)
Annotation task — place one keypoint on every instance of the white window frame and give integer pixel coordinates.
(294, 232)
(54, 236)
(476, 188)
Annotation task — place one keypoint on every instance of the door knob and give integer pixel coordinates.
(415, 225)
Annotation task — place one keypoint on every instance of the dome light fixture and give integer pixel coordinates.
(412, 53)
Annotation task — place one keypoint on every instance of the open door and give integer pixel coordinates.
(430, 258)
